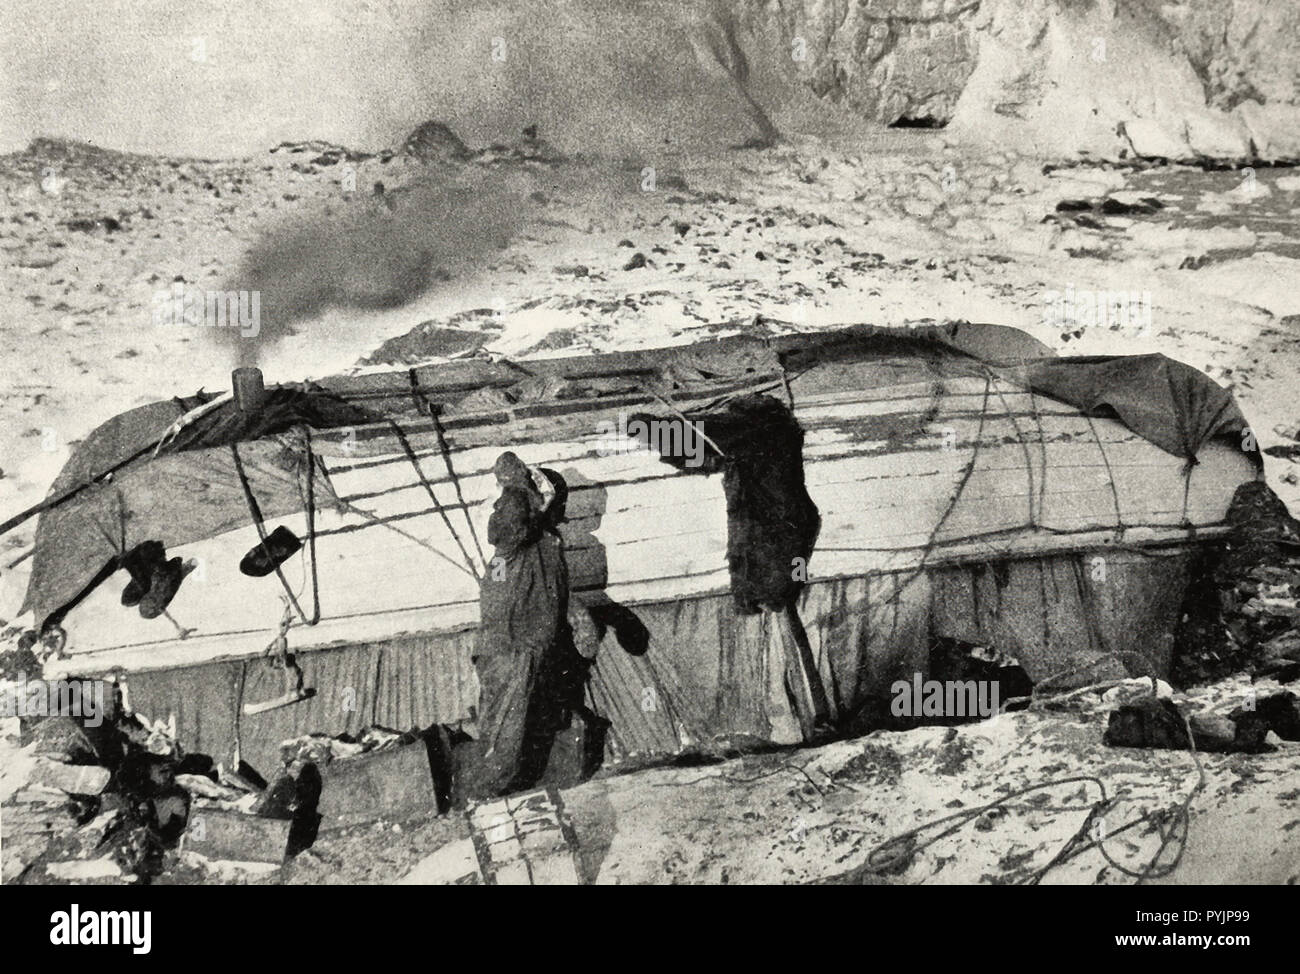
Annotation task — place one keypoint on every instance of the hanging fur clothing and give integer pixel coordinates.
(771, 520)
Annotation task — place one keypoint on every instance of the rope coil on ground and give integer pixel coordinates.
(1178, 832)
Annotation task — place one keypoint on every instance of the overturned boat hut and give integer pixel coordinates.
(970, 485)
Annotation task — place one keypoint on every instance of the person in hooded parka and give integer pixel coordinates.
(523, 606)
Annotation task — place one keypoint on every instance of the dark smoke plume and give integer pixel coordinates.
(380, 250)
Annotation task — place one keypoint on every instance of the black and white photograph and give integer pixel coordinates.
(650, 442)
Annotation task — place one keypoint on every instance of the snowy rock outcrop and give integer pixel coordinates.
(887, 61)
(1182, 80)
(1121, 81)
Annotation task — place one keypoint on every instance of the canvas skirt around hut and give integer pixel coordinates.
(967, 485)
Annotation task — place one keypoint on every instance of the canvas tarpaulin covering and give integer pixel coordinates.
(175, 499)
(189, 491)
(709, 677)
(1171, 404)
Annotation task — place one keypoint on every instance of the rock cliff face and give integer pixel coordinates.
(1123, 80)
(1115, 79)
(1109, 78)
(1242, 50)
(886, 60)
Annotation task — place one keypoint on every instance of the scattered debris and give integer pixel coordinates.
(216, 834)
(101, 789)
(1152, 722)
(1148, 722)
(1240, 615)
(1278, 712)
(75, 779)
(387, 784)
(201, 786)
(83, 869)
